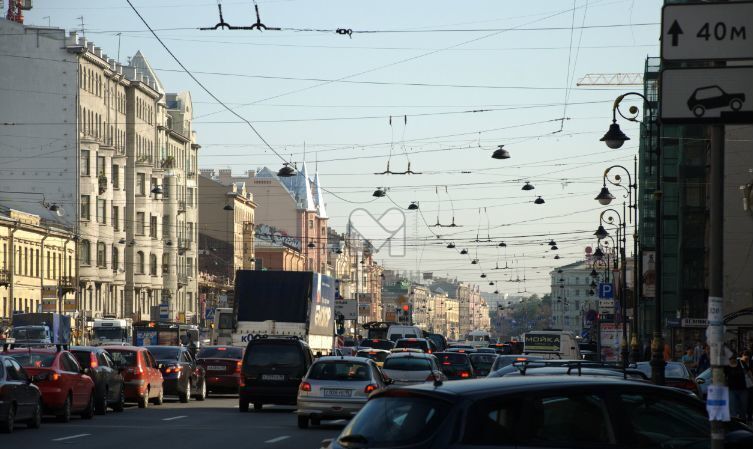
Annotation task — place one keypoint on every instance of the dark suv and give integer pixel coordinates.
(109, 390)
(543, 412)
(272, 370)
(183, 377)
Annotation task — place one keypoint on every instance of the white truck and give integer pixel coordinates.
(552, 344)
(112, 331)
(286, 304)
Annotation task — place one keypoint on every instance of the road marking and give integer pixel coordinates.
(278, 439)
(174, 418)
(72, 437)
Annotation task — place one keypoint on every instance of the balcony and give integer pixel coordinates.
(67, 284)
(4, 277)
(167, 293)
(182, 280)
(191, 175)
(144, 160)
(165, 268)
(181, 206)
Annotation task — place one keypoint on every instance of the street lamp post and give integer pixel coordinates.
(615, 138)
(605, 198)
(613, 217)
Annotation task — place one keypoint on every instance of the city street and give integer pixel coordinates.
(215, 422)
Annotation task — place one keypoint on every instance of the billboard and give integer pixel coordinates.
(649, 274)
(321, 312)
(346, 307)
(542, 342)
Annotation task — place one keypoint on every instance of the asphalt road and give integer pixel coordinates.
(213, 423)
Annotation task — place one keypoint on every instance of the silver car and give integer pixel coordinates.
(336, 388)
(405, 368)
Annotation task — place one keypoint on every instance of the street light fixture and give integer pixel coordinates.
(286, 171)
(604, 197)
(502, 244)
(501, 153)
(463, 251)
(538, 200)
(379, 193)
(450, 245)
(614, 137)
(527, 186)
(601, 233)
(413, 206)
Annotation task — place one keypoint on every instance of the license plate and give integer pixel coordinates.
(328, 393)
(216, 368)
(273, 377)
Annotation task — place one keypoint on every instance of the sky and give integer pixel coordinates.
(435, 83)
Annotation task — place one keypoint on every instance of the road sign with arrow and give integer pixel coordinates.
(707, 31)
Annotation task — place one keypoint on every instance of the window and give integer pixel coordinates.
(568, 420)
(153, 264)
(140, 184)
(100, 165)
(311, 224)
(189, 233)
(153, 226)
(101, 257)
(493, 422)
(86, 258)
(189, 269)
(656, 421)
(140, 223)
(85, 212)
(116, 218)
(140, 268)
(115, 258)
(85, 163)
(101, 211)
(115, 176)
(190, 201)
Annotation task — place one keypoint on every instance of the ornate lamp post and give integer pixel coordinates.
(613, 217)
(614, 138)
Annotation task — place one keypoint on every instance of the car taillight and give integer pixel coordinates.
(429, 351)
(305, 386)
(242, 381)
(137, 370)
(238, 366)
(465, 374)
(370, 387)
(93, 363)
(173, 369)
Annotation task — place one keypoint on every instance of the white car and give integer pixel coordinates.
(405, 368)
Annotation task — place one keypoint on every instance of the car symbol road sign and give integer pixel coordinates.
(707, 95)
(718, 31)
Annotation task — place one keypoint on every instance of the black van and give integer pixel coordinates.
(272, 371)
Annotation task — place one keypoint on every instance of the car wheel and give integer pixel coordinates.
(88, 412)
(186, 395)
(160, 399)
(64, 415)
(243, 405)
(120, 405)
(10, 420)
(258, 406)
(303, 422)
(36, 419)
(202, 391)
(316, 421)
(699, 110)
(101, 407)
(144, 400)
(736, 104)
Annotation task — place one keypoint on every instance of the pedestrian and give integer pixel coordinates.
(738, 392)
(688, 359)
(704, 362)
(697, 350)
(748, 369)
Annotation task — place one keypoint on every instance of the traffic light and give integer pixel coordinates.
(406, 308)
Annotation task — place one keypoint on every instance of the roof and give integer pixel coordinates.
(140, 63)
(318, 197)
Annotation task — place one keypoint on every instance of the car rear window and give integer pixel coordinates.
(83, 358)
(164, 352)
(452, 359)
(670, 370)
(378, 344)
(122, 357)
(394, 421)
(407, 364)
(221, 352)
(266, 354)
(339, 370)
(376, 356)
(34, 360)
(417, 344)
(482, 361)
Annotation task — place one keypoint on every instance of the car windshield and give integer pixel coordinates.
(259, 355)
(31, 333)
(416, 344)
(407, 364)
(220, 352)
(122, 357)
(452, 359)
(339, 370)
(109, 333)
(670, 370)
(164, 352)
(377, 356)
(34, 360)
(482, 361)
(394, 421)
(378, 344)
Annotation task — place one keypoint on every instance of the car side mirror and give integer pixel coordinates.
(700, 381)
(160, 366)
(388, 381)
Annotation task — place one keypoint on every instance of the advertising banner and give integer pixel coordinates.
(649, 274)
(321, 312)
(540, 343)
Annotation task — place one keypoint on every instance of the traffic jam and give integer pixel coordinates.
(396, 385)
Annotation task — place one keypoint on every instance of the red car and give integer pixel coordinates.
(65, 390)
(141, 375)
(222, 365)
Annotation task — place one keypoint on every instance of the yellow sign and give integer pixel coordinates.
(69, 305)
(49, 304)
(49, 292)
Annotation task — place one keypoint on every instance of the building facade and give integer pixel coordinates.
(117, 155)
